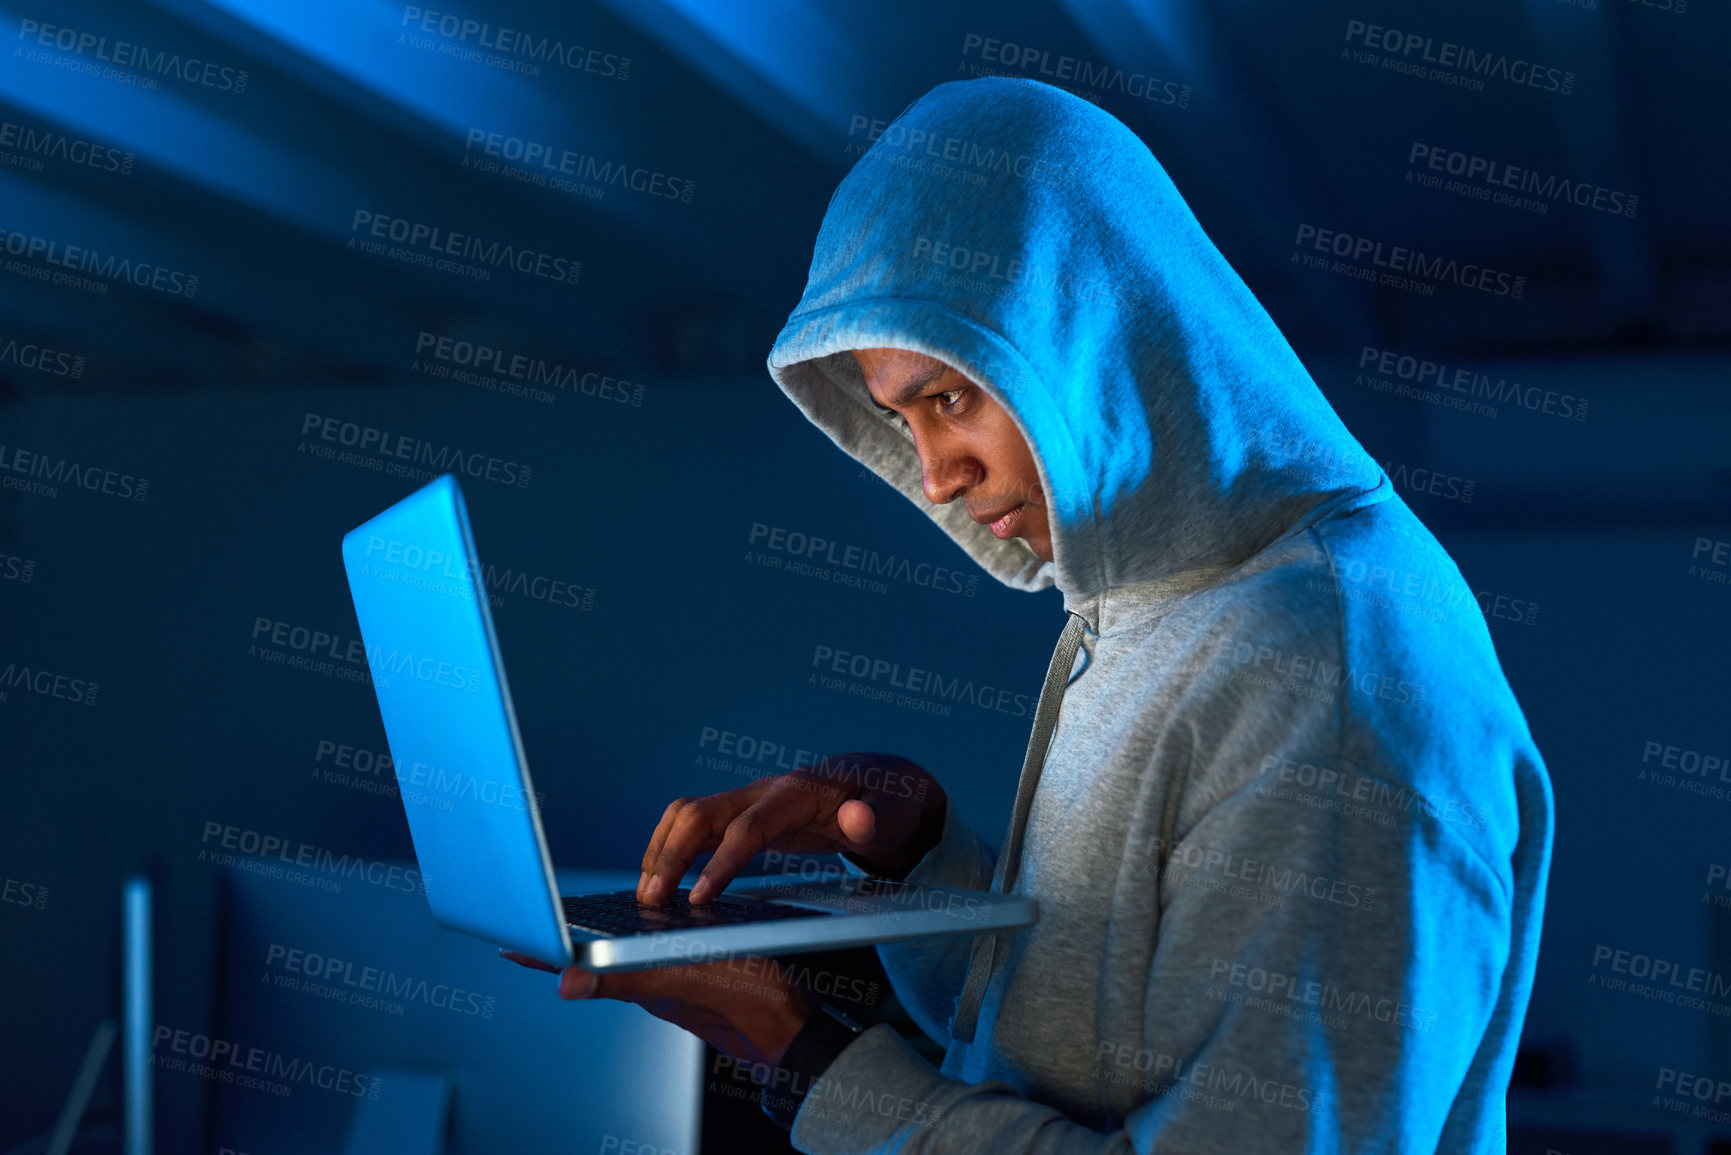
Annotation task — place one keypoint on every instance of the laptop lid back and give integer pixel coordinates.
(464, 781)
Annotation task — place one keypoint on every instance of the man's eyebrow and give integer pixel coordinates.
(912, 389)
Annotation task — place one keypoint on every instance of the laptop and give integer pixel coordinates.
(420, 597)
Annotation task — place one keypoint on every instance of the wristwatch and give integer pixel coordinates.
(825, 1035)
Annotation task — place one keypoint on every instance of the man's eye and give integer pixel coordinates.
(949, 393)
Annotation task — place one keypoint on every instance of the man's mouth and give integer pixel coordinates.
(1002, 524)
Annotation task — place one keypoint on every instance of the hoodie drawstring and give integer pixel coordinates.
(988, 947)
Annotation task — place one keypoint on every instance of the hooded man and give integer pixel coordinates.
(1283, 816)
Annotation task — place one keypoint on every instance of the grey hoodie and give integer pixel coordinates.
(1291, 839)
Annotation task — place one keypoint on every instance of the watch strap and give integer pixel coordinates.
(825, 1035)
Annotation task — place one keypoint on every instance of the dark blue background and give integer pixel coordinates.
(652, 505)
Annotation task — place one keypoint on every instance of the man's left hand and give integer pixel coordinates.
(747, 1008)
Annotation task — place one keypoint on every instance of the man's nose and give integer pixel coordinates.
(944, 475)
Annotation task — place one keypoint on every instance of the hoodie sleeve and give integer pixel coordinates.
(927, 973)
(1320, 982)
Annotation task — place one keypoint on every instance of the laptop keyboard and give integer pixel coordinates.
(617, 914)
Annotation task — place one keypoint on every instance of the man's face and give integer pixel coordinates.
(968, 444)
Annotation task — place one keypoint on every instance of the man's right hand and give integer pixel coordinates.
(886, 811)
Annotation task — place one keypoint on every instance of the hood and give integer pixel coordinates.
(1031, 240)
